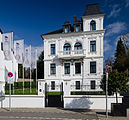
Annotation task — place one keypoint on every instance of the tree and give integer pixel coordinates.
(117, 83)
(120, 57)
(40, 66)
(125, 39)
(20, 70)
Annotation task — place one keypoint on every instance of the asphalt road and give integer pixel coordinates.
(47, 114)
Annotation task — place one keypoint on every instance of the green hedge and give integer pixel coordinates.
(87, 93)
(19, 85)
(20, 92)
(54, 93)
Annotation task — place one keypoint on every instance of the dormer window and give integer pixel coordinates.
(92, 25)
(66, 29)
(77, 29)
(66, 26)
(76, 24)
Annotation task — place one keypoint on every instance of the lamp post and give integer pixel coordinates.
(107, 70)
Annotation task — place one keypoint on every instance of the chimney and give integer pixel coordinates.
(74, 19)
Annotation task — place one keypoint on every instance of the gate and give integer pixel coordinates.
(54, 100)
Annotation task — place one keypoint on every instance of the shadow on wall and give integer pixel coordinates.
(83, 102)
(2, 97)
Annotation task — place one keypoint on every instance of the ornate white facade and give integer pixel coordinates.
(89, 71)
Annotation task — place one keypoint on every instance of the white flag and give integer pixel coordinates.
(19, 50)
(6, 75)
(27, 57)
(7, 40)
(34, 59)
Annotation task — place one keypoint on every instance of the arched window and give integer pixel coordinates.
(67, 47)
(92, 25)
(78, 46)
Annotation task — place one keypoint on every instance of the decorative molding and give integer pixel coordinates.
(92, 37)
(79, 34)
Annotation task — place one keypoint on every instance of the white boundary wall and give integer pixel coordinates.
(90, 102)
(23, 101)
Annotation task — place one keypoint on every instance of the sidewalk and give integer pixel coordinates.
(101, 114)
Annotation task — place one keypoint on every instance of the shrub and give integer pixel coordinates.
(19, 85)
(54, 93)
(87, 93)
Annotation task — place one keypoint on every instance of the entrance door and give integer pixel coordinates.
(54, 100)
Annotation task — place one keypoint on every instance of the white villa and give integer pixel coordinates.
(73, 63)
(75, 53)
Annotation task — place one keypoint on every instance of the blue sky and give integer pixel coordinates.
(29, 19)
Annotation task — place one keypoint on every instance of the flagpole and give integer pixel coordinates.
(23, 71)
(30, 69)
(11, 44)
(36, 71)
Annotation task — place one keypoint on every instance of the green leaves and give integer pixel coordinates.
(117, 82)
(121, 56)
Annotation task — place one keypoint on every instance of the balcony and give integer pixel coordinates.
(75, 54)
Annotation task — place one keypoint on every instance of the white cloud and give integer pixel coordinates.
(39, 49)
(115, 11)
(107, 46)
(33, 48)
(115, 28)
(16, 37)
(33, 57)
(126, 3)
(116, 40)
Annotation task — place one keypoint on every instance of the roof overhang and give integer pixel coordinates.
(72, 34)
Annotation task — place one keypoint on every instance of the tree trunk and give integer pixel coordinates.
(116, 98)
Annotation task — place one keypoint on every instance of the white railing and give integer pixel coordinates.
(72, 52)
(78, 51)
(67, 52)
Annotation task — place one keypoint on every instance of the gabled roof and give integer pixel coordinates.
(92, 9)
(58, 31)
(54, 32)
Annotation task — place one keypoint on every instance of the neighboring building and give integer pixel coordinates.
(75, 53)
(6, 66)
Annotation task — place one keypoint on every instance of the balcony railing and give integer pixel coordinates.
(72, 53)
(66, 52)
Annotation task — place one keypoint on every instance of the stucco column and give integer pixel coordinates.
(66, 87)
(41, 87)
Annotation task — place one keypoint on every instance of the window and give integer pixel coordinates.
(53, 68)
(92, 85)
(92, 25)
(92, 67)
(77, 28)
(1, 46)
(77, 84)
(77, 68)
(52, 85)
(67, 47)
(67, 68)
(92, 46)
(66, 29)
(52, 49)
(78, 46)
